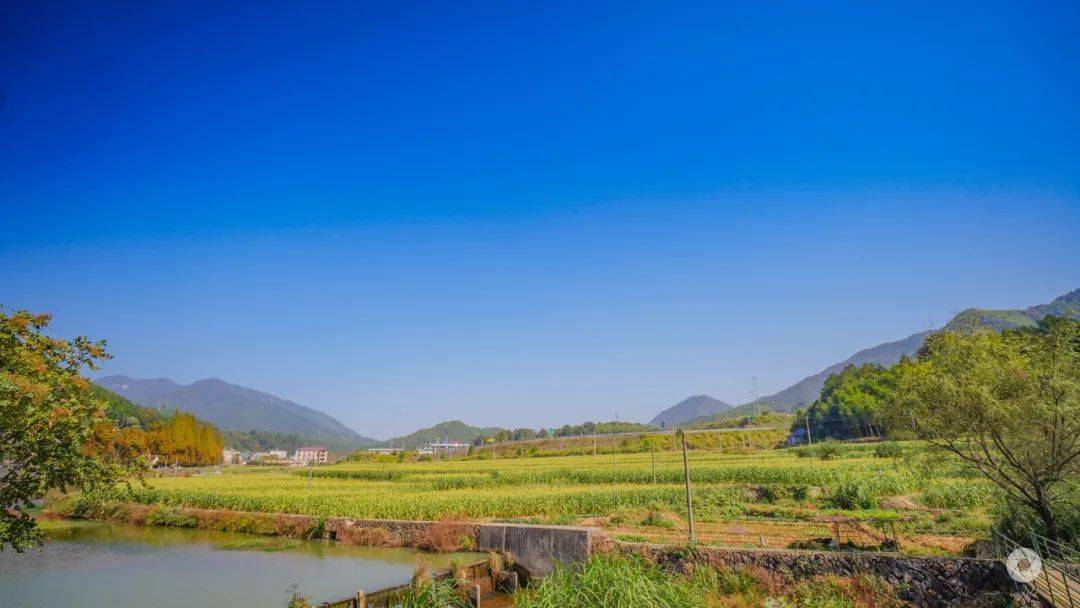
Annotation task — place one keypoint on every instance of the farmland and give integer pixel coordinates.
(765, 497)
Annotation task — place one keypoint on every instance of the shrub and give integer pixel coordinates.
(658, 517)
(827, 450)
(888, 450)
(1018, 521)
(851, 493)
(448, 534)
(170, 516)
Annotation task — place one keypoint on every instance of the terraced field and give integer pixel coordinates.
(771, 498)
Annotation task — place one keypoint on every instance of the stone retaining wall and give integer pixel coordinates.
(923, 581)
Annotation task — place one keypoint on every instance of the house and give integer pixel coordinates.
(797, 437)
(445, 447)
(312, 455)
(278, 455)
(230, 456)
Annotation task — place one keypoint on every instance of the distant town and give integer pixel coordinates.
(313, 455)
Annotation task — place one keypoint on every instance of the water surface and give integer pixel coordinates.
(99, 565)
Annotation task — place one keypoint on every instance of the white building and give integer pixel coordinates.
(230, 456)
(444, 447)
(312, 455)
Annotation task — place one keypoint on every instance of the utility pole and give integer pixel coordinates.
(806, 419)
(753, 393)
(689, 496)
(594, 443)
(652, 447)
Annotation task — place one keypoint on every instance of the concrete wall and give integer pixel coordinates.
(536, 549)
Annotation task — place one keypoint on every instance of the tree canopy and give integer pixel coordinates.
(48, 416)
(851, 402)
(1006, 404)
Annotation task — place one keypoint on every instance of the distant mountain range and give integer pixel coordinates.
(805, 391)
(698, 406)
(231, 407)
(451, 430)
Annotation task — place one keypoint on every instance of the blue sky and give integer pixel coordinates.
(530, 216)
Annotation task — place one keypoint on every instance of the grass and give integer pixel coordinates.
(261, 543)
(751, 490)
(617, 581)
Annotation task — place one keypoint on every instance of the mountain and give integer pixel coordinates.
(973, 319)
(451, 430)
(805, 391)
(236, 408)
(688, 409)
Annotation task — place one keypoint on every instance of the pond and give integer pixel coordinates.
(101, 565)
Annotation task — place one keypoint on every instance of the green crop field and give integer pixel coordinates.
(764, 497)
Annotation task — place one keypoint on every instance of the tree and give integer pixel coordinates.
(48, 415)
(1007, 405)
(850, 402)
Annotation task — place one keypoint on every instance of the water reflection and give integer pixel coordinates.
(97, 565)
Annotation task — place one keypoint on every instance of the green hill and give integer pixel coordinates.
(451, 430)
(805, 391)
(691, 408)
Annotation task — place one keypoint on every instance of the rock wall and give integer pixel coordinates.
(923, 581)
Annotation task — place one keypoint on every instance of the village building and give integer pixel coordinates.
(312, 455)
(230, 456)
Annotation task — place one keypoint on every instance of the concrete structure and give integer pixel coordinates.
(536, 549)
(312, 455)
(444, 447)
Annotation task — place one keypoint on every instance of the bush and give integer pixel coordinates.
(1018, 521)
(162, 515)
(851, 494)
(827, 450)
(888, 450)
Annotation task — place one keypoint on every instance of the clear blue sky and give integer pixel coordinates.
(530, 216)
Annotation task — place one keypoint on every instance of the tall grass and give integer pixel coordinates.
(613, 582)
(620, 581)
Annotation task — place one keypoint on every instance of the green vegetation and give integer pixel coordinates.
(263, 441)
(259, 543)
(1007, 406)
(975, 319)
(452, 430)
(616, 581)
(602, 428)
(772, 493)
(48, 416)
(850, 403)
